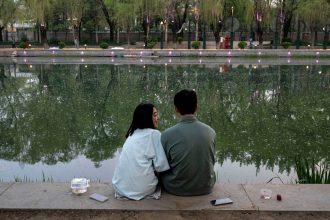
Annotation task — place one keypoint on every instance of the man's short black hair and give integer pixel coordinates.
(186, 101)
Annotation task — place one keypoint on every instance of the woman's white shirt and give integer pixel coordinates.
(142, 154)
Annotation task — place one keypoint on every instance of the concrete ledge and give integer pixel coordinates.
(55, 201)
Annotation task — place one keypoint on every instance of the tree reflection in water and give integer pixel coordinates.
(263, 115)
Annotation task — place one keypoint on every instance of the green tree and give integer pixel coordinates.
(108, 9)
(126, 19)
(10, 11)
(315, 13)
(212, 14)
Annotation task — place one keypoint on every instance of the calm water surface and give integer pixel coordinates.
(60, 121)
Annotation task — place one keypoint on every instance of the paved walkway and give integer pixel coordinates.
(55, 201)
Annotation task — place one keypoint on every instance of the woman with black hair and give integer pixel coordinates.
(142, 155)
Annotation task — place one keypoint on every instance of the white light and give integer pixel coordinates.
(141, 60)
(82, 60)
(200, 61)
(229, 60)
(259, 61)
(25, 60)
(200, 52)
(289, 61)
(259, 52)
(317, 61)
(229, 53)
(112, 52)
(141, 52)
(317, 53)
(170, 60)
(53, 52)
(170, 53)
(289, 53)
(307, 67)
(24, 52)
(85, 66)
(320, 72)
(82, 52)
(165, 64)
(112, 60)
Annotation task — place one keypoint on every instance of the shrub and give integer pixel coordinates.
(104, 45)
(195, 44)
(53, 42)
(180, 39)
(287, 39)
(151, 44)
(242, 44)
(84, 41)
(286, 44)
(61, 44)
(23, 45)
(24, 38)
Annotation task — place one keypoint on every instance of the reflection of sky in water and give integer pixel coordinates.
(229, 172)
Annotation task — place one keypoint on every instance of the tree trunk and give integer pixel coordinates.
(43, 35)
(260, 35)
(112, 31)
(286, 26)
(216, 32)
(1, 37)
(111, 23)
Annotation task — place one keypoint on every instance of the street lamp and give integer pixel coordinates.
(189, 35)
(161, 35)
(232, 28)
(326, 36)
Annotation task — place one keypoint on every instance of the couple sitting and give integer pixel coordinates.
(182, 157)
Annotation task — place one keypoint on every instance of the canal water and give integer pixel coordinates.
(60, 120)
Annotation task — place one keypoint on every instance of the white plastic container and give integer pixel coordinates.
(79, 185)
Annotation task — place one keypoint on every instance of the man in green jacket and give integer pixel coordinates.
(189, 147)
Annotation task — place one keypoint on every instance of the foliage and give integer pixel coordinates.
(24, 38)
(195, 44)
(180, 39)
(104, 45)
(151, 44)
(242, 44)
(312, 172)
(53, 42)
(61, 44)
(287, 39)
(84, 41)
(286, 44)
(23, 45)
(263, 116)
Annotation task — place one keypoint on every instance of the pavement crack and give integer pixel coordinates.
(7, 188)
(253, 205)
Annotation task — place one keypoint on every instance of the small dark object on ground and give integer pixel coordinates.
(278, 197)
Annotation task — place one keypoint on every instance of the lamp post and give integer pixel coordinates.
(232, 28)
(161, 35)
(326, 36)
(189, 35)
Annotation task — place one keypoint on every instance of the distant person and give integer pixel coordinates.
(189, 147)
(142, 155)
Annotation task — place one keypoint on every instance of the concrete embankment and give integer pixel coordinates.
(55, 201)
(309, 53)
